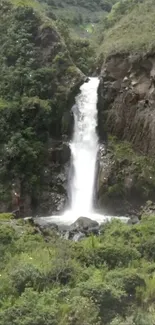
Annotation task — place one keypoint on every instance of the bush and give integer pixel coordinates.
(128, 279)
(104, 295)
(46, 309)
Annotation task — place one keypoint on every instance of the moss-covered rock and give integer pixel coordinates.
(126, 179)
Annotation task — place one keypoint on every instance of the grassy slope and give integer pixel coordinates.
(133, 32)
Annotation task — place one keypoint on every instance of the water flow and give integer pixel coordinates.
(84, 148)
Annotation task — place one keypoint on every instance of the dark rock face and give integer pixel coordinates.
(116, 187)
(53, 197)
(126, 109)
(124, 183)
(126, 100)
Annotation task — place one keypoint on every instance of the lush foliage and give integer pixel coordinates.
(80, 49)
(129, 27)
(102, 280)
(79, 12)
(36, 79)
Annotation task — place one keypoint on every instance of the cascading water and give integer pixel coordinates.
(84, 148)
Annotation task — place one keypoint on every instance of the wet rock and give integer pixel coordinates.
(93, 230)
(29, 220)
(133, 220)
(59, 152)
(73, 235)
(66, 235)
(84, 225)
(43, 223)
(79, 236)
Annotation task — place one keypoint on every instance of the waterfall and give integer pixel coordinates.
(84, 148)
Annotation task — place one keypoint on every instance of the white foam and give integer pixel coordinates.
(84, 148)
(68, 218)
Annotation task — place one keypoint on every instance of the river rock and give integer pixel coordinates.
(79, 236)
(29, 220)
(84, 225)
(133, 220)
(43, 223)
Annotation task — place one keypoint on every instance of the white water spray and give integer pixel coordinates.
(84, 148)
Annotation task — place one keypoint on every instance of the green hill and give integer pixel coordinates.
(128, 28)
(79, 14)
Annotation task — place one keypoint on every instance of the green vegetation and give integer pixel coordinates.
(106, 280)
(79, 12)
(5, 216)
(102, 280)
(132, 173)
(44, 279)
(81, 50)
(129, 27)
(36, 82)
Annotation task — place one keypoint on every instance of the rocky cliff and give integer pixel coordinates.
(127, 98)
(126, 112)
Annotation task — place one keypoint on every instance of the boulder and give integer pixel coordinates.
(85, 225)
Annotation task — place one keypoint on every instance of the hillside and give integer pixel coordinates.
(81, 16)
(127, 102)
(128, 28)
(79, 11)
(38, 80)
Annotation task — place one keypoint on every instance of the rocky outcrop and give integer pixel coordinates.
(80, 229)
(53, 197)
(126, 179)
(126, 110)
(127, 100)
